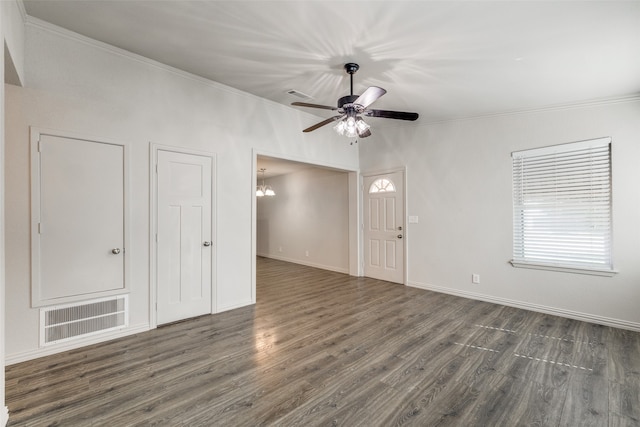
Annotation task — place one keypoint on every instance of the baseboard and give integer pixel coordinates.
(585, 317)
(4, 416)
(307, 263)
(14, 358)
(232, 307)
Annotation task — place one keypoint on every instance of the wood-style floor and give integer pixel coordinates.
(322, 348)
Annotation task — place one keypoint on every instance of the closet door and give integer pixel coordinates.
(78, 219)
(185, 244)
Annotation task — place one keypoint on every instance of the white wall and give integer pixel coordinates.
(310, 212)
(12, 34)
(13, 16)
(459, 184)
(78, 85)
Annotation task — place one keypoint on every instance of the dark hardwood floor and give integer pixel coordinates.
(322, 348)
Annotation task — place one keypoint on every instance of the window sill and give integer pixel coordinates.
(575, 270)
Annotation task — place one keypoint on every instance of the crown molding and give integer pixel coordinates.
(23, 11)
(557, 107)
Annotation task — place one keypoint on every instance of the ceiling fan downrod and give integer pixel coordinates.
(351, 68)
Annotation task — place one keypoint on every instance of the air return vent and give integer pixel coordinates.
(299, 94)
(72, 321)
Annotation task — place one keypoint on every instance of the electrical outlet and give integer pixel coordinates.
(475, 278)
(280, 249)
(306, 253)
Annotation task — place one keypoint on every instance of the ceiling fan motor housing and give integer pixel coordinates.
(349, 99)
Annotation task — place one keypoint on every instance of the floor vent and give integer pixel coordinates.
(72, 321)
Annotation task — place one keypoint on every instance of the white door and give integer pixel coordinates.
(184, 241)
(78, 219)
(384, 227)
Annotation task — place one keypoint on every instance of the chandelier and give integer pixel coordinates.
(264, 190)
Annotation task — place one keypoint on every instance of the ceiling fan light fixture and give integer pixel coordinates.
(361, 125)
(351, 127)
(341, 127)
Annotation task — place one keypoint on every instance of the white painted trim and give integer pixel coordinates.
(4, 416)
(549, 108)
(22, 10)
(355, 232)
(234, 306)
(81, 342)
(405, 198)
(574, 270)
(153, 225)
(254, 222)
(585, 317)
(35, 133)
(322, 164)
(308, 264)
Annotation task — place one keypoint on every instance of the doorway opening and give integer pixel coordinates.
(312, 219)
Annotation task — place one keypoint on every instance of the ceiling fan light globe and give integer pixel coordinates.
(259, 192)
(361, 125)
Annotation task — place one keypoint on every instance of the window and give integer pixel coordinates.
(382, 185)
(562, 207)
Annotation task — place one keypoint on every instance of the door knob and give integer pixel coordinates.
(115, 251)
(207, 243)
(399, 236)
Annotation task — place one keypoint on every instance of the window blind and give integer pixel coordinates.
(562, 205)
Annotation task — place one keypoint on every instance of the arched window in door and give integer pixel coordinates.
(382, 185)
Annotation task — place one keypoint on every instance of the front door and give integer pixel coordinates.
(184, 240)
(384, 226)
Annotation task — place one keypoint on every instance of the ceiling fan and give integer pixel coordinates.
(352, 107)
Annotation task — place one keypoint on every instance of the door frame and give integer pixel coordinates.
(403, 171)
(153, 226)
(355, 215)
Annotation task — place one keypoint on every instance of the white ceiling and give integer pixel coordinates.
(442, 59)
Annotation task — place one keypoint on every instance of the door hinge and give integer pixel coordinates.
(39, 228)
(156, 168)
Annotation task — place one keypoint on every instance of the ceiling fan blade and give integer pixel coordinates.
(369, 96)
(322, 123)
(400, 115)
(304, 104)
